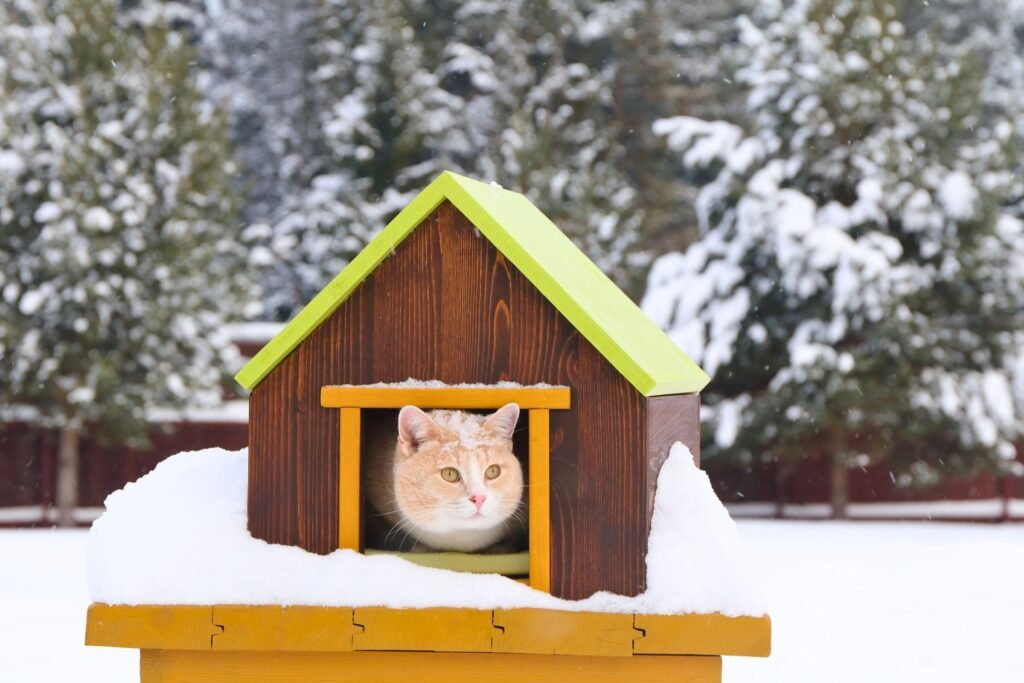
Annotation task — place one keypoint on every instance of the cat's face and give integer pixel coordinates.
(456, 471)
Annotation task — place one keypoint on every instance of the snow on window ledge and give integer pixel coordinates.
(412, 383)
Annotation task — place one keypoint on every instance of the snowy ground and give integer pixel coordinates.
(850, 602)
(43, 597)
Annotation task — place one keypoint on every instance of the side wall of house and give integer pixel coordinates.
(446, 305)
(669, 419)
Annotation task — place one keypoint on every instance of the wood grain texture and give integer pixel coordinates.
(703, 634)
(344, 629)
(542, 631)
(539, 497)
(350, 497)
(168, 666)
(272, 627)
(168, 627)
(437, 629)
(446, 305)
(669, 419)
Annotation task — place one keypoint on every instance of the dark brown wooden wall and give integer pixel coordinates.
(669, 419)
(447, 305)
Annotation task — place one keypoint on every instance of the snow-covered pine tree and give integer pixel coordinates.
(120, 251)
(378, 111)
(699, 32)
(281, 69)
(559, 96)
(678, 50)
(857, 290)
(252, 57)
(564, 144)
(530, 94)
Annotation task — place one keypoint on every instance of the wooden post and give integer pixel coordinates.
(540, 500)
(46, 476)
(67, 477)
(839, 491)
(1007, 494)
(780, 488)
(349, 494)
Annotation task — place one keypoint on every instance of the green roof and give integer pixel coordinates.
(602, 313)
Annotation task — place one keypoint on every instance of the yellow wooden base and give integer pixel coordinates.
(440, 629)
(187, 666)
(544, 631)
(451, 629)
(703, 634)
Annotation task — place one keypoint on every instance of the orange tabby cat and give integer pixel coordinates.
(451, 482)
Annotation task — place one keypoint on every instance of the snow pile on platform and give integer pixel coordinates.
(178, 536)
(695, 560)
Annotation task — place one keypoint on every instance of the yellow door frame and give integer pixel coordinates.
(539, 401)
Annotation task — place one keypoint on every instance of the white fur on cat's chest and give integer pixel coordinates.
(463, 540)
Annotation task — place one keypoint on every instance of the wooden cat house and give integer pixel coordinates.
(472, 284)
(469, 299)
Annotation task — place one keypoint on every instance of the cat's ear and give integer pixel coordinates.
(415, 428)
(504, 420)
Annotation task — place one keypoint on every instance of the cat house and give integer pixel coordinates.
(468, 300)
(471, 298)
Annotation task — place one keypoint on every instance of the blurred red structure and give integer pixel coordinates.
(28, 456)
(27, 469)
(760, 491)
(27, 473)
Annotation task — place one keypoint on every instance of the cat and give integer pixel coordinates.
(449, 482)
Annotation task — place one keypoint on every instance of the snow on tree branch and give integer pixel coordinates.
(856, 289)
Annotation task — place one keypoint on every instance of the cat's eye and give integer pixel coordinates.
(492, 472)
(450, 474)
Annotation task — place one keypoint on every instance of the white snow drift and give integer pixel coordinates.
(178, 536)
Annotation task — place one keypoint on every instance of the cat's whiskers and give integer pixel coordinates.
(520, 516)
(402, 525)
(406, 537)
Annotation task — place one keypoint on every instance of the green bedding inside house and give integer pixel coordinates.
(508, 564)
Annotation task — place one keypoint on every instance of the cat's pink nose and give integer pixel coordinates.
(478, 500)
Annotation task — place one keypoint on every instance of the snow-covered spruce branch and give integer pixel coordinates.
(857, 288)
